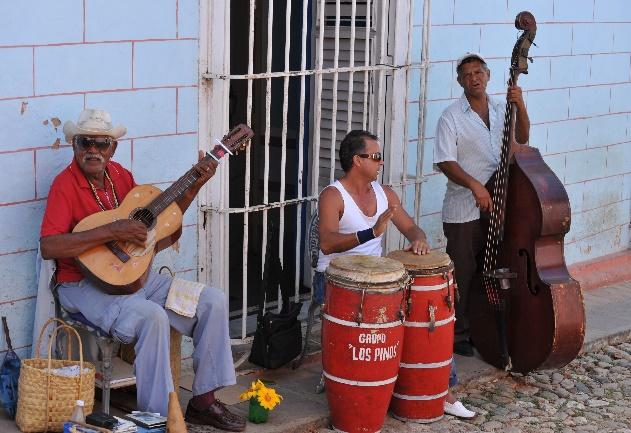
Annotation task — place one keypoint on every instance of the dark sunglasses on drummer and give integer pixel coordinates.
(374, 156)
(85, 142)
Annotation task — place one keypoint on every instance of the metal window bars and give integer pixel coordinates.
(361, 59)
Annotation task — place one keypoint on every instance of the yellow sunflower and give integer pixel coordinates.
(255, 387)
(248, 394)
(268, 398)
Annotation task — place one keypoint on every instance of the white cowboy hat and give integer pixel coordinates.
(93, 122)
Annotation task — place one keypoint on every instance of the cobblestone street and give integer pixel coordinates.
(593, 393)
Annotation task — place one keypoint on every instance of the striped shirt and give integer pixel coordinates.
(462, 136)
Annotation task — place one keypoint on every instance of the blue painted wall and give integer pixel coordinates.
(578, 94)
(137, 60)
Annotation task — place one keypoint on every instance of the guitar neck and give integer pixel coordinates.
(180, 186)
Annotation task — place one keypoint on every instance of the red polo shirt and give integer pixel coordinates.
(71, 199)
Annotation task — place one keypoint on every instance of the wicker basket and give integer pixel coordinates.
(45, 400)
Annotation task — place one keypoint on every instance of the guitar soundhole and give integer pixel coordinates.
(145, 216)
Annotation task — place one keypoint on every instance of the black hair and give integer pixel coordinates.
(469, 60)
(353, 144)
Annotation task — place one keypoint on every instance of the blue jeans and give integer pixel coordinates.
(318, 283)
(453, 377)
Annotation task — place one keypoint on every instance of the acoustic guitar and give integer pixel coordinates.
(121, 268)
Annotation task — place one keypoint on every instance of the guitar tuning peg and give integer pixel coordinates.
(534, 44)
(530, 58)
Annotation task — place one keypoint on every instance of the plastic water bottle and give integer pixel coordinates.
(77, 414)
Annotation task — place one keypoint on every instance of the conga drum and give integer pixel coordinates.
(362, 336)
(423, 382)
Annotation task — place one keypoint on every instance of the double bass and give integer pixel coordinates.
(529, 314)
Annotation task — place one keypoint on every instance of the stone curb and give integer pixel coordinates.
(600, 343)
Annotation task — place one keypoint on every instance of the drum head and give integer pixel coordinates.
(366, 270)
(435, 262)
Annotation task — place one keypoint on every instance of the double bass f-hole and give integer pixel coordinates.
(533, 289)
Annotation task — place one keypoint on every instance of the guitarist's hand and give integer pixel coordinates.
(205, 169)
(129, 231)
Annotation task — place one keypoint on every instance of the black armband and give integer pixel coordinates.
(364, 236)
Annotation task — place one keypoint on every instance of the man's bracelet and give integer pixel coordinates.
(364, 236)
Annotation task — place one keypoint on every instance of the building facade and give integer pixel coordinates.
(178, 73)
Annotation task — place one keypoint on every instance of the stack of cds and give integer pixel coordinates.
(148, 422)
(124, 426)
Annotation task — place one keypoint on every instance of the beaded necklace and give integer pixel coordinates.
(96, 196)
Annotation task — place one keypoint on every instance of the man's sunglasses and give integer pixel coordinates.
(84, 142)
(374, 156)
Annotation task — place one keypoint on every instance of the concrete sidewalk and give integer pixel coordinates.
(302, 410)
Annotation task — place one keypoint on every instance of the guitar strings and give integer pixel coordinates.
(146, 215)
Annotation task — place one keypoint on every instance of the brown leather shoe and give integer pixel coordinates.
(216, 415)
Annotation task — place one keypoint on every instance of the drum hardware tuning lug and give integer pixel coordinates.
(432, 317)
(361, 309)
(401, 316)
(448, 301)
(504, 275)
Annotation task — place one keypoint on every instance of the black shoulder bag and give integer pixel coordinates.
(278, 336)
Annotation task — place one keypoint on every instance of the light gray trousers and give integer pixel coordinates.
(141, 317)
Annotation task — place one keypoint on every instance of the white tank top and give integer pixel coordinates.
(354, 220)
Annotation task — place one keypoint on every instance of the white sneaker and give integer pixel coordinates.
(457, 409)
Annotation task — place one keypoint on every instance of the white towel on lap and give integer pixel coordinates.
(183, 297)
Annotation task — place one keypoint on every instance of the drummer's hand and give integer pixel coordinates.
(382, 221)
(419, 246)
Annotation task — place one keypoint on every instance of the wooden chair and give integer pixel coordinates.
(112, 371)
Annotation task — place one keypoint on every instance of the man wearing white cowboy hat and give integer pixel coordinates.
(92, 183)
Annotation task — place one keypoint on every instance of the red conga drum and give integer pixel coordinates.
(423, 382)
(362, 336)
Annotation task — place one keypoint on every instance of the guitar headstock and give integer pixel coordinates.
(234, 141)
(238, 138)
(519, 60)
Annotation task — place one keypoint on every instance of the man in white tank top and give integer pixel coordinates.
(354, 213)
(355, 210)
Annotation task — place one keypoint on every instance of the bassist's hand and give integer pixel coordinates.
(129, 231)
(515, 96)
(482, 197)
